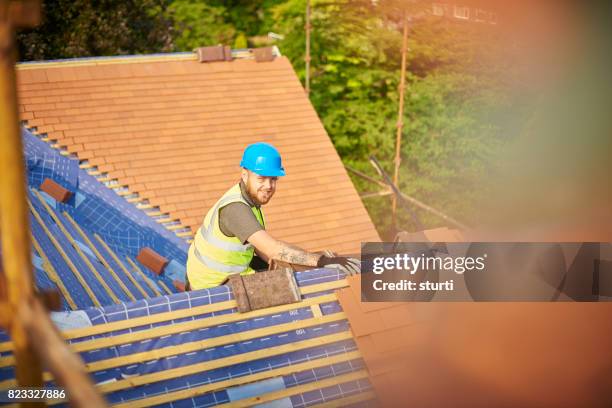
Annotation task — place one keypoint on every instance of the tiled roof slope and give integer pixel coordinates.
(173, 130)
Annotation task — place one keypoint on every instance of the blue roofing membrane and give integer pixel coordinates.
(115, 373)
(124, 367)
(98, 211)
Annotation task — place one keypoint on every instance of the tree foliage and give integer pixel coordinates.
(453, 95)
(198, 23)
(83, 28)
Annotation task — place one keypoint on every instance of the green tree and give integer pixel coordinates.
(251, 17)
(81, 28)
(198, 24)
(449, 137)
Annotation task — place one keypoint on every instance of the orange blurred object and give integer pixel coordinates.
(484, 354)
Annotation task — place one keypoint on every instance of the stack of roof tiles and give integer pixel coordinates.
(173, 130)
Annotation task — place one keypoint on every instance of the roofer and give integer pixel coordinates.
(233, 237)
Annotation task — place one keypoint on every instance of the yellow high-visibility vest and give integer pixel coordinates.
(213, 256)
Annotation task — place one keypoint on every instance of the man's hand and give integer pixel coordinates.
(350, 266)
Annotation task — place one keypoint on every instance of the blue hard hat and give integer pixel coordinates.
(263, 159)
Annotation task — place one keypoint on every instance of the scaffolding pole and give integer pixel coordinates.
(307, 56)
(14, 223)
(400, 115)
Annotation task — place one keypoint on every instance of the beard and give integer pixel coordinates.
(259, 197)
(264, 197)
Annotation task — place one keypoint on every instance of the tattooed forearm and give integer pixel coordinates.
(283, 254)
(295, 255)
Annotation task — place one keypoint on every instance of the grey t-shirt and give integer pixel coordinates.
(238, 220)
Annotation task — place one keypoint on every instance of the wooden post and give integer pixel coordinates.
(14, 230)
(66, 367)
(33, 334)
(307, 57)
(400, 114)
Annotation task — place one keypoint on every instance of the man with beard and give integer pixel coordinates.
(233, 237)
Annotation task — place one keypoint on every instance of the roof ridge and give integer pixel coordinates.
(240, 53)
(113, 59)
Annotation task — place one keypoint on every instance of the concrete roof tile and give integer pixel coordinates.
(390, 340)
(361, 323)
(397, 316)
